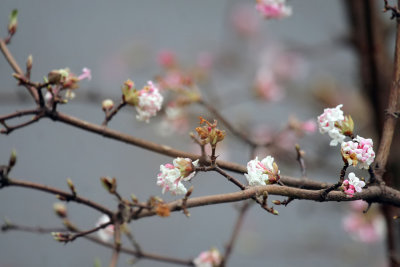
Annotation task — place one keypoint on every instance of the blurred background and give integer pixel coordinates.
(258, 73)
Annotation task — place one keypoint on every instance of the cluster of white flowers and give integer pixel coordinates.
(171, 175)
(262, 172)
(352, 184)
(273, 9)
(150, 101)
(359, 152)
(209, 258)
(327, 123)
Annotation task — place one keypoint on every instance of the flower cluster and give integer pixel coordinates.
(147, 101)
(105, 234)
(210, 134)
(364, 227)
(352, 184)
(328, 123)
(359, 152)
(171, 175)
(209, 258)
(262, 172)
(273, 9)
(63, 79)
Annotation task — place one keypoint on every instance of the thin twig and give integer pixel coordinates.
(62, 194)
(147, 255)
(235, 233)
(14, 65)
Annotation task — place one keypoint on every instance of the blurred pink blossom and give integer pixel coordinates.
(166, 58)
(267, 86)
(366, 228)
(175, 120)
(273, 9)
(86, 74)
(244, 20)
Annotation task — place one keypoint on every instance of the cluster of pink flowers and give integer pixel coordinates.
(171, 175)
(364, 227)
(328, 122)
(209, 258)
(352, 184)
(150, 101)
(105, 234)
(273, 9)
(262, 172)
(359, 152)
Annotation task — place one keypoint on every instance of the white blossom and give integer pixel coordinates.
(262, 172)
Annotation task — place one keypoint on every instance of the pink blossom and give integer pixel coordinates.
(352, 185)
(273, 9)
(209, 258)
(86, 74)
(205, 60)
(171, 175)
(244, 21)
(107, 233)
(309, 126)
(167, 59)
(267, 86)
(150, 101)
(366, 228)
(358, 152)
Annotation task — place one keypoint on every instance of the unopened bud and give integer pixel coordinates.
(60, 209)
(13, 158)
(275, 212)
(71, 186)
(54, 77)
(107, 105)
(17, 76)
(109, 184)
(276, 202)
(60, 197)
(29, 62)
(134, 198)
(13, 22)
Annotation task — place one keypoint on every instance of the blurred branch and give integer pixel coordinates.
(239, 221)
(63, 195)
(146, 255)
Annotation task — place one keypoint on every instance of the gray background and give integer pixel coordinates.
(120, 40)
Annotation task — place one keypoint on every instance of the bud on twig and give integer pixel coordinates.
(276, 202)
(60, 209)
(107, 105)
(134, 198)
(13, 22)
(29, 63)
(13, 158)
(71, 186)
(109, 184)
